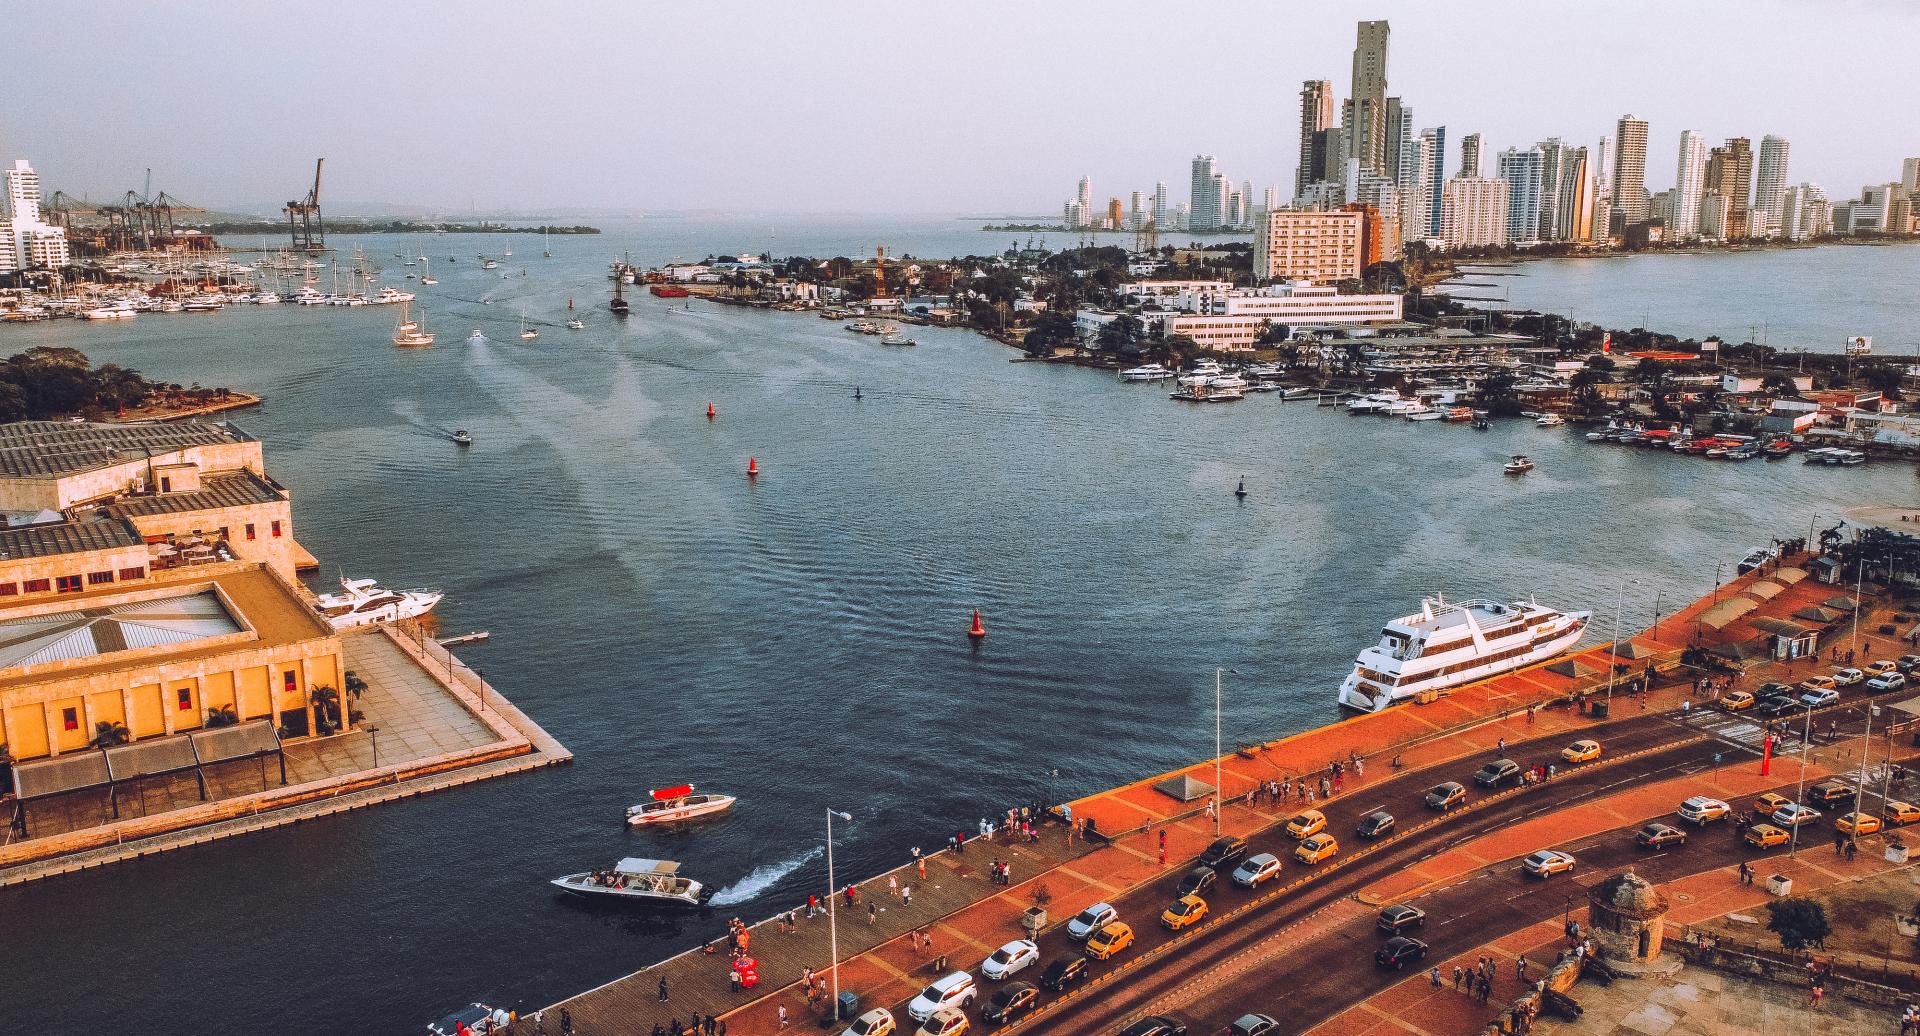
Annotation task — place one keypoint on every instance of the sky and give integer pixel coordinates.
(885, 107)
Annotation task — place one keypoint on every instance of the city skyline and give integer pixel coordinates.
(430, 118)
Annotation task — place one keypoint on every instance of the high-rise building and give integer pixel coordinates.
(1396, 135)
(1136, 211)
(1521, 169)
(1629, 172)
(1406, 166)
(1365, 112)
(1805, 213)
(1236, 210)
(1318, 246)
(1689, 184)
(1574, 218)
(1559, 211)
(1476, 212)
(1770, 183)
(1660, 209)
(1470, 156)
(1436, 157)
(1203, 203)
(1269, 199)
(1160, 204)
(1730, 171)
(1416, 196)
(26, 241)
(1909, 175)
(1316, 115)
(1380, 197)
(1116, 218)
(1715, 208)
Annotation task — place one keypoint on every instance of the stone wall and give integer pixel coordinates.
(1842, 981)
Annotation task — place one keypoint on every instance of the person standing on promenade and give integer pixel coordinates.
(566, 1022)
(873, 913)
(1433, 976)
(663, 989)
(906, 895)
(783, 1016)
(893, 886)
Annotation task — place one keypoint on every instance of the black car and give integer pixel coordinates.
(1374, 825)
(1014, 1000)
(1064, 973)
(1400, 917)
(1446, 796)
(1197, 881)
(1656, 836)
(1223, 851)
(1496, 773)
(1769, 690)
(1908, 663)
(1155, 1025)
(1776, 705)
(1399, 951)
(1828, 793)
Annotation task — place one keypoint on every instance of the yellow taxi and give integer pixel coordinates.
(1316, 848)
(1310, 822)
(1857, 824)
(1736, 701)
(1764, 836)
(1185, 911)
(947, 1021)
(1817, 683)
(1771, 802)
(1881, 667)
(1110, 940)
(1900, 814)
(1583, 751)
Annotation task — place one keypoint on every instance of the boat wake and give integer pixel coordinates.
(762, 878)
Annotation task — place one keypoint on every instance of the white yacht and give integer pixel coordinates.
(110, 313)
(1446, 644)
(1420, 411)
(361, 602)
(1519, 465)
(1402, 407)
(666, 805)
(1149, 372)
(1203, 373)
(635, 880)
(1373, 403)
(1550, 421)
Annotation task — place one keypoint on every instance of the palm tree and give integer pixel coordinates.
(326, 705)
(107, 734)
(222, 716)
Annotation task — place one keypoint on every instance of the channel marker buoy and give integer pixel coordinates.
(977, 630)
(710, 411)
(753, 468)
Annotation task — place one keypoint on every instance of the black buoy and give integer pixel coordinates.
(856, 392)
(1241, 490)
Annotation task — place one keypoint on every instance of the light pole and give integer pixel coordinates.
(1613, 649)
(375, 732)
(1219, 797)
(1866, 750)
(833, 926)
(1800, 789)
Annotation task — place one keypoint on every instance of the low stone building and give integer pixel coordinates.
(1625, 918)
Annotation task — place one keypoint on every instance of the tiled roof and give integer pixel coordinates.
(43, 541)
(49, 449)
(233, 489)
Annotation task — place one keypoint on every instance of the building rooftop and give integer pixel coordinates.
(89, 632)
(50, 449)
(240, 488)
(45, 541)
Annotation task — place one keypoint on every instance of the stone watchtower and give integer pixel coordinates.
(1624, 917)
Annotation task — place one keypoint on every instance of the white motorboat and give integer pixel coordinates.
(1300, 392)
(1149, 372)
(1203, 372)
(1373, 403)
(635, 880)
(577, 324)
(1550, 421)
(1519, 465)
(1446, 644)
(110, 313)
(476, 337)
(897, 339)
(667, 805)
(361, 602)
(1226, 381)
(1402, 407)
(1420, 411)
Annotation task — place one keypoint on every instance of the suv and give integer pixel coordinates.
(1847, 677)
(954, 990)
(1702, 810)
(1826, 793)
(1444, 797)
(1887, 681)
(1091, 920)
(1496, 773)
(1223, 851)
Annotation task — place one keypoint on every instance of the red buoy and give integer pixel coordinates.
(709, 411)
(753, 468)
(978, 630)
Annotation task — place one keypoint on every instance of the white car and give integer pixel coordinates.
(877, 1022)
(1091, 920)
(1890, 681)
(955, 990)
(1847, 677)
(1010, 958)
(1819, 698)
(1702, 810)
(1257, 869)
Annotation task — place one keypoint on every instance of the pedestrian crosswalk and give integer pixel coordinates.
(1737, 731)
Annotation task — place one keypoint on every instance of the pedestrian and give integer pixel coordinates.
(1006, 873)
(1852, 847)
(1503, 746)
(1458, 977)
(1163, 854)
(663, 989)
(813, 905)
(659, 1030)
(1520, 967)
(720, 1028)
(906, 895)
(893, 886)
(1813, 997)
(1433, 975)
(873, 912)
(566, 1022)
(783, 1016)
(921, 863)
(1209, 810)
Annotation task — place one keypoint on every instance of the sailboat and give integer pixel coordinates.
(546, 242)
(410, 333)
(427, 276)
(527, 334)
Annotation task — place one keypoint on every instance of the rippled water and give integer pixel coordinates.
(799, 641)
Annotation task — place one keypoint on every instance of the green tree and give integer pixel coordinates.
(1498, 394)
(1799, 923)
(1882, 377)
(326, 707)
(107, 734)
(1121, 335)
(1780, 385)
(1272, 333)
(1050, 332)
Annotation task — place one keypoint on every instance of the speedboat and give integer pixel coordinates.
(361, 602)
(1420, 411)
(1300, 392)
(1446, 644)
(1202, 373)
(577, 324)
(1519, 465)
(1226, 381)
(460, 436)
(476, 337)
(666, 805)
(1373, 403)
(634, 880)
(896, 339)
(1149, 372)
(1550, 421)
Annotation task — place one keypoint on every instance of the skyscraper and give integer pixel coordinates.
(1521, 169)
(1316, 114)
(1085, 195)
(1629, 173)
(1573, 219)
(1689, 183)
(1470, 156)
(1436, 176)
(26, 242)
(1160, 205)
(1203, 201)
(1730, 171)
(1396, 138)
(1406, 169)
(1561, 211)
(1770, 181)
(1416, 206)
(1365, 112)
(1909, 169)
(1476, 211)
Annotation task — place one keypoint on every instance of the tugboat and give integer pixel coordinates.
(619, 303)
(634, 880)
(666, 805)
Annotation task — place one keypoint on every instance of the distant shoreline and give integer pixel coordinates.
(397, 227)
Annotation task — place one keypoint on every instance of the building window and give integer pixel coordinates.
(96, 578)
(133, 573)
(9, 589)
(276, 528)
(67, 584)
(166, 484)
(38, 586)
(249, 530)
(70, 719)
(290, 680)
(185, 697)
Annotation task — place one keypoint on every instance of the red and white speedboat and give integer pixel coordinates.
(668, 805)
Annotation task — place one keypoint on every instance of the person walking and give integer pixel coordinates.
(921, 864)
(906, 895)
(1459, 976)
(873, 913)
(893, 886)
(783, 1016)
(663, 989)
(1433, 976)
(1520, 968)
(566, 1022)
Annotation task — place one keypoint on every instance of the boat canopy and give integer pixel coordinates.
(636, 865)
(678, 792)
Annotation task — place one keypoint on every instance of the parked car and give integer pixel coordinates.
(1014, 1000)
(1309, 822)
(1771, 689)
(1892, 681)
(1399, 918)
(1446, 796)
(1155, 1025)
(1908, 663)
(1701, 810)
(1737, 701)
(1548, 862)
(1223, 851)
(1847, 677)
(1316, 848)
(947, 1021)
(1253, 1025)
(1010, 958)
(1496, 773)
(1585, 750)
(877, 1022)
(1881, 666)
(1399, 951)
(1769, 802)
(1764, 836)
(1900, 814)
(1829, 792)
(1185, 911)
(1857, 824)
(1817, 683)
(1197, 880)
(1776, 705)
(1822, 697)
(1110, 940)
(1091, 920)
(1659, 836)
(1794, 814)
(1064, 973)
(1256, 869)
(1376, 824)
(953, 990)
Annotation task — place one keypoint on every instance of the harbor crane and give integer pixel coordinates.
(304, 225)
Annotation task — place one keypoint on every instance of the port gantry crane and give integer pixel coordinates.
(304, 225)
(136, 221)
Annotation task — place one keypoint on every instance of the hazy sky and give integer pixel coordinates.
(898, 107)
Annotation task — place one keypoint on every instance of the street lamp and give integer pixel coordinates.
(375, 731)
(1866, 750)
(1800, 789)
(833, 926)
(1219, 799)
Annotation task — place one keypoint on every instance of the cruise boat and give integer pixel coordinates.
(1519, 465)
(1149, 372)
(361, 602)
(666, 805)
(634, 880)
(1446, 644)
